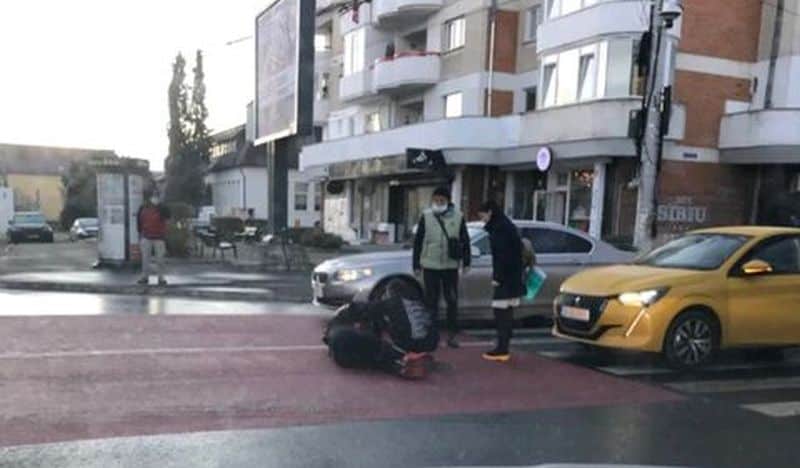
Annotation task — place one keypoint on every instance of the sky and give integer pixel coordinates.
(95, 73)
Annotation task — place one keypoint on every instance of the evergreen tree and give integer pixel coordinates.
(178, 138)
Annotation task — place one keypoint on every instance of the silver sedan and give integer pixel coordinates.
(560, 252)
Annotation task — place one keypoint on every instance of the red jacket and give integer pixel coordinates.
(152, 222)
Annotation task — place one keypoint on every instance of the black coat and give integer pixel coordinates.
(507, 268)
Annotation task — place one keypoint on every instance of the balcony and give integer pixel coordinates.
(606, 18)
(406, 71)
(472, 136)
(585, 129)
(356, 85)
(401, 13)
(763, 136)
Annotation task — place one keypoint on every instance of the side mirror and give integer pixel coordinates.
(756, 267)
(475, 251)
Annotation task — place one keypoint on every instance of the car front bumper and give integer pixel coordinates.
(329, 293)
(613, 324)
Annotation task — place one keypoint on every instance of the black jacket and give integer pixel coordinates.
(463, 235)
(408, 323)
(507, 268)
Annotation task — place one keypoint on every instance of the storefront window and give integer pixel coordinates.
(567, 200)
(301, 196)
(580, 200)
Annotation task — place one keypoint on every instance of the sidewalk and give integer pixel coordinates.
(194, 280)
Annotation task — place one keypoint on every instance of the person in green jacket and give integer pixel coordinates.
(441, 248)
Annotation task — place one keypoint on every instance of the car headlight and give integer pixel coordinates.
(644, 298)
(348, 275)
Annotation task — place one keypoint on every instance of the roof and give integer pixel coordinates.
(228, 134)
(45, 160)
(247, 156)
(752, 231)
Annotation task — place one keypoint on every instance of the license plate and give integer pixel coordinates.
(318, 290)
(575, 313)
(33, 236)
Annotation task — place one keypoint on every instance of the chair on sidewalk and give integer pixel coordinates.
(213, 241)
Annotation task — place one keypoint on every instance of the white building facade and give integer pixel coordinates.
(560, 74)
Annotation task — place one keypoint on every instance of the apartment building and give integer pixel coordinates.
(560, 75)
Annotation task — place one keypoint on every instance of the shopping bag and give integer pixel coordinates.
(534, 282)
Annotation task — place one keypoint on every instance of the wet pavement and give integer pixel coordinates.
(124, 381)
(66, 267)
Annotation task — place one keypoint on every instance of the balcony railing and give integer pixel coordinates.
(406, 70)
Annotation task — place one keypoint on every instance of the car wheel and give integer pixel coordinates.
(691, 340)
(379, 290)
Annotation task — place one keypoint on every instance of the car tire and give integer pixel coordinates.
(692, 340)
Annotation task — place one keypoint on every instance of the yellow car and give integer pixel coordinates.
(709, 289)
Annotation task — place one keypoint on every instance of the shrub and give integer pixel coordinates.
(178, 239)
(181, 211)
(319, 239)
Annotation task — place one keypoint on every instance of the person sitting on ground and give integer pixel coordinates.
(395, 334)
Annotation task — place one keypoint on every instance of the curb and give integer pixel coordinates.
(154, 291)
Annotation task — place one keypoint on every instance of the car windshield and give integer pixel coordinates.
(475, 233)
(88, 222)
(695, 252)
(29, 218)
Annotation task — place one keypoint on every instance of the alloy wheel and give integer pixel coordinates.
(692, 342)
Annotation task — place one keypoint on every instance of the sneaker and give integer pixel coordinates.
(497, 356)
(143, 281)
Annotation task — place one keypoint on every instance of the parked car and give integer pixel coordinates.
(29, 226)
(710, 289)
(561, 251)
(84, 228)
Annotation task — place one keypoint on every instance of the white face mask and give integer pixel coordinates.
(438, 209)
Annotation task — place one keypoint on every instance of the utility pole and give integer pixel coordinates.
(656, 108)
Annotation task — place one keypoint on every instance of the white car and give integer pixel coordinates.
(560, 252)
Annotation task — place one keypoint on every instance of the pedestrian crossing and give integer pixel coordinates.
(766, 385)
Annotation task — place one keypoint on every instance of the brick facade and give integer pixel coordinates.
(722, 28)
(704, 96)
(694, 195)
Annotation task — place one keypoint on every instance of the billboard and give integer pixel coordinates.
(284, 70)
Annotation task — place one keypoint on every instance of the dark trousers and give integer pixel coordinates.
(504, 320)
(361, 349)
(438, 282)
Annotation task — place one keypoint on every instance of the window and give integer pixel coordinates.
(482, 242)
(301, 196)
(556, 8)
(533, 18)
(783, 254)
(354, 51)
(586, 77)
(695, 252)
(322, 89)
(322, 42)
(453, 105)
(530, 99)
(551, 241)
(373, 122)
(549, 85)
(455, 34)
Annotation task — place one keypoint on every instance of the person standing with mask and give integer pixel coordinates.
(441, 247)
(507, 275)
(152, 225)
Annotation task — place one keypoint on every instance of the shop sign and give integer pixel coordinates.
(544, 159)
(425, 159)
(682, 210)
(367, 168)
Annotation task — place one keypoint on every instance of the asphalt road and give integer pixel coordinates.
(255, 390)
(62, 255)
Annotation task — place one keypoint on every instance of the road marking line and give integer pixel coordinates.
(641, 371)
(736, 385)
(150, 351)
(780, 409)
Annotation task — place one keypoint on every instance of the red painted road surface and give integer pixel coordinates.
(70, 378)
